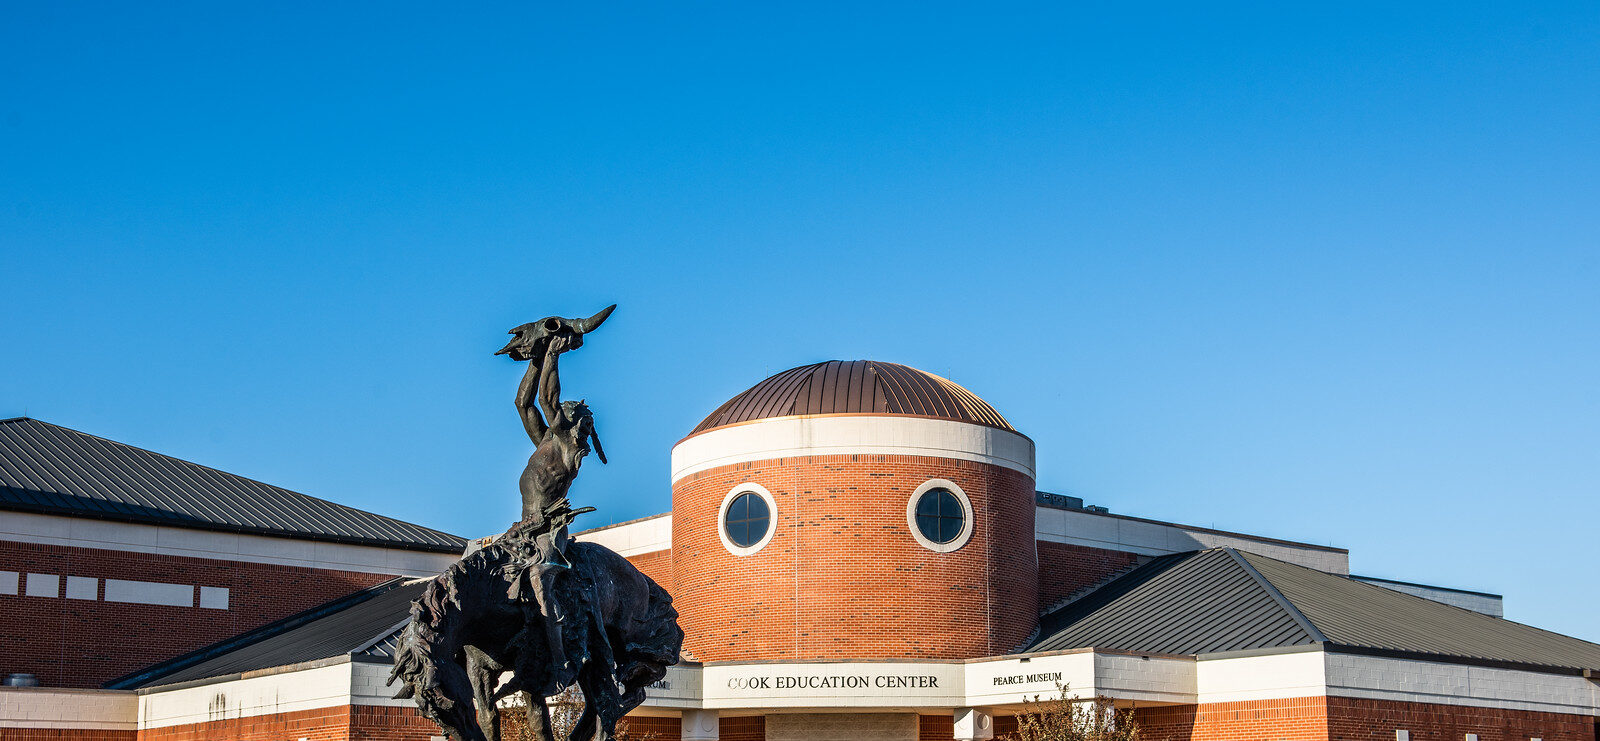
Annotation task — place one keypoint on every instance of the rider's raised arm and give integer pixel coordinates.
(550, 380)
(526, 406)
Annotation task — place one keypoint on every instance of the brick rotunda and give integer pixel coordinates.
(833, 460)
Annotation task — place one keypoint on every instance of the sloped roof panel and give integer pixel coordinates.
(1353, 613)
(51, 469)
(363, 623)
(1224, 600)
(1187, 603)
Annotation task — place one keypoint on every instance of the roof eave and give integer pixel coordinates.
(1392, 653)
(226, 528)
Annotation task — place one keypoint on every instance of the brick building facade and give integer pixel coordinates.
(858, 552)
(114, 558)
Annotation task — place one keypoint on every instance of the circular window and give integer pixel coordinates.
(940, 516)
(746, 520)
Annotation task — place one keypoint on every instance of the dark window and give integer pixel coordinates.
(747, 520)
(939, 516)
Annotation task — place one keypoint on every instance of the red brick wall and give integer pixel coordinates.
(655, 728)
(82, 643)
(658, 566)
(368, 723)
(632, 727)
(1066, 569)
(1295, 719)
(936, 727)
(842, 577)
(742, 728)
(1349, 719)
(339, 723)
(320, 724)
(1356, 720)
(51, 734)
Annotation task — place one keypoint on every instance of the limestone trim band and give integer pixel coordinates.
(67, 710)
(330, 683)
(163, 540)
(994, 683)
(1145, 679)
(852, 435)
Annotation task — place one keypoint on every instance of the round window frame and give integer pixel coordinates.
(749, 487)
(969, 519)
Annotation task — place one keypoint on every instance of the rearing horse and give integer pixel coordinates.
(465, 632)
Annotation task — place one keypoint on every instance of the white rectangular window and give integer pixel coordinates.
(8, 582)
(214, 598)
(1472, 737)
(83, 587)
(149, 593)
(44, 585)
(1402, 735)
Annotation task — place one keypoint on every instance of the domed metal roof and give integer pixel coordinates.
(855, 387)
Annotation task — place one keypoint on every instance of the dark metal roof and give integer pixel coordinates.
(1223, 600)
(855, 387)
(1185, 603)
(1357, 614)
(362, 624)
(50, 469)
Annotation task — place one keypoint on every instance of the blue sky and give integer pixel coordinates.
(1320, 273)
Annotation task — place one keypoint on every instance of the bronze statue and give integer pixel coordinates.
(561, 438)
(534, 604)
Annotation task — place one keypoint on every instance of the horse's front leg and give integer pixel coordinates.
(538, 717)
(484, 674)
(584, 728)
(600, 698)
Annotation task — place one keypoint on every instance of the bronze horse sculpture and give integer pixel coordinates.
(536, 605)
(630, 625)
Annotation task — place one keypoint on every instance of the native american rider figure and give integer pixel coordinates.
(561, 432)
(535, 611)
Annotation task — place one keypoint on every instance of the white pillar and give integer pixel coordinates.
(971, 724)
(700, 725)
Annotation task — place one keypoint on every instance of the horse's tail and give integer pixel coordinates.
(424, 658)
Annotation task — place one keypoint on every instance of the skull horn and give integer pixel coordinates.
(585, 326)
(517, 338)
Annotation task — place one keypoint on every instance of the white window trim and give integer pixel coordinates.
(772, 518)
(967, 526)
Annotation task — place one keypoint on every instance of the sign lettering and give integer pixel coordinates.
(835, 681)
(1027, 678)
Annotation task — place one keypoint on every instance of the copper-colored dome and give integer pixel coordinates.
(855, 387)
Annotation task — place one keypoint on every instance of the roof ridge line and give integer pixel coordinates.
(1277, 596)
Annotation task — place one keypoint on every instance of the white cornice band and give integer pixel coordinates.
(788, 437)
(81, 532)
